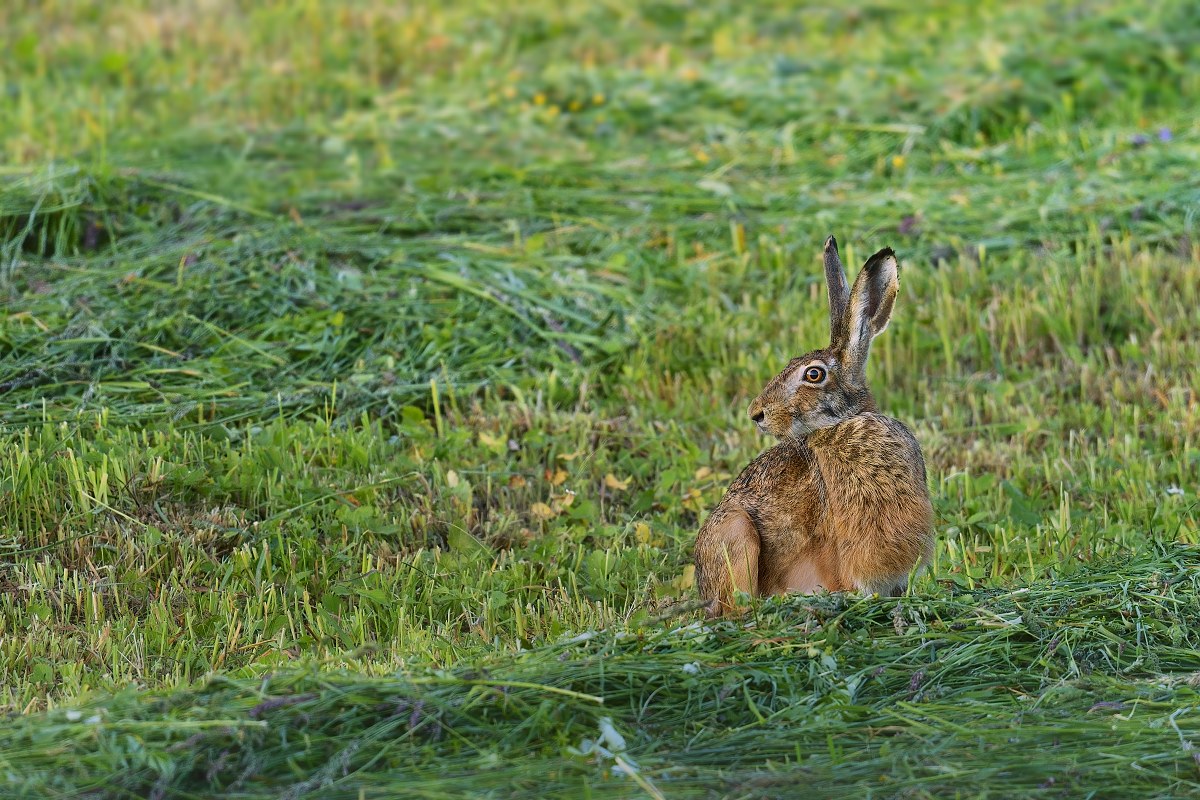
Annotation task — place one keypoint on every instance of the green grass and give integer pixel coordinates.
(355, 363)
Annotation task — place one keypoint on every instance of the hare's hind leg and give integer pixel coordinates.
(727, 551)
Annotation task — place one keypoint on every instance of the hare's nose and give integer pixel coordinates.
(758, 416)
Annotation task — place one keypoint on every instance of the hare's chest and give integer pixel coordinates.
(801, 555)
(792, 527)
(790, 515)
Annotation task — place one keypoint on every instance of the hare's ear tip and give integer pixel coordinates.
(882, 256)
(831, 244)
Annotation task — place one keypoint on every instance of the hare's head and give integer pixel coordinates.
(828, 386)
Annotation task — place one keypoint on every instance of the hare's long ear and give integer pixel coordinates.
(870, 309)
(839, 292)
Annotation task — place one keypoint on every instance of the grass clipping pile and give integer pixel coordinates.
(1084, 684)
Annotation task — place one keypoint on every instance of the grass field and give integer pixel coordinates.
(366, 371)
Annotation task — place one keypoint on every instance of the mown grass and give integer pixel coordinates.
(1057, 685)
(414, 344)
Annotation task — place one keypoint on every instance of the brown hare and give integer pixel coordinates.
(841, 502)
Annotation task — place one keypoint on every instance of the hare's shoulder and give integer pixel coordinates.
(781, 493)
(786, 464)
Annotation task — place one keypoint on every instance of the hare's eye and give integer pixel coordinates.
(814, 374)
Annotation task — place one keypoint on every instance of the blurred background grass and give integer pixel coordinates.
(312, 309)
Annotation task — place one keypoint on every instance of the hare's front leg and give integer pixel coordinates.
(727, 550)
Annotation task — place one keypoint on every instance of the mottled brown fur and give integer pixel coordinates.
(841, 502)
